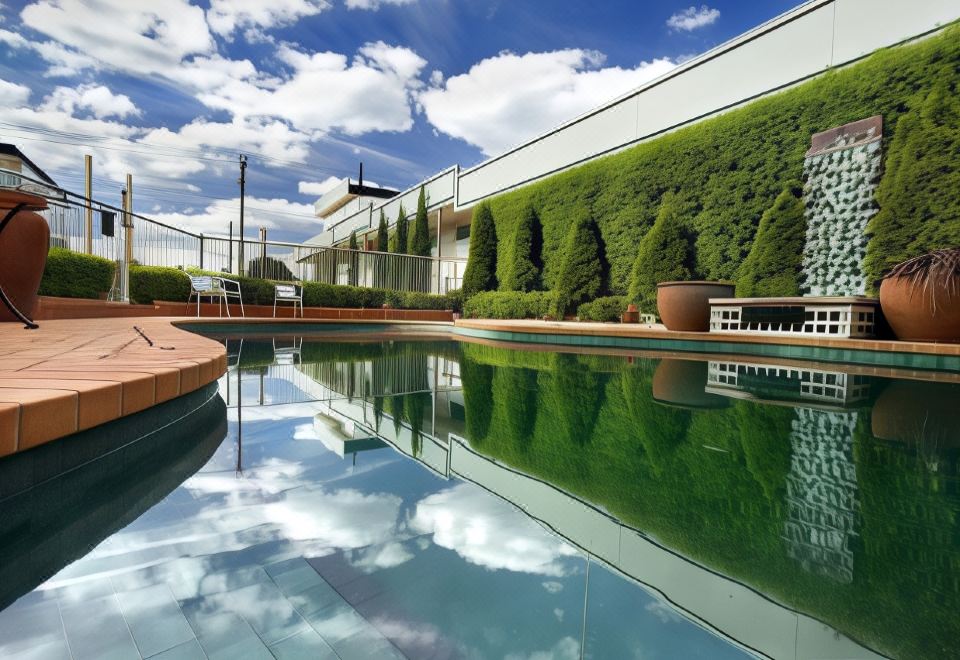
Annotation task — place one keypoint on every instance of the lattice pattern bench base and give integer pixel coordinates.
(848, 316)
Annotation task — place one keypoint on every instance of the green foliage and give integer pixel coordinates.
(352, 245)
(420, 238)
(149, 283)
(419, 300)
(263, 268)
(585, 270)
(477, 380)
(664, 255)
(509, 305)
(919, 195)
(255, 291)
(524, 275)
(354, 259)
(481, 272)
(73, 275)
(773, 267)
(383, 234)
(319, 294)
(603, 310)
(731, 166)
(400, 239)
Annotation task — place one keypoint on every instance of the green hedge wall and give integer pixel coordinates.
(729, 168)
(509, 305)
(74, 275)
(149, 283)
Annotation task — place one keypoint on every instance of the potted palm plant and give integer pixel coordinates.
(920, 297)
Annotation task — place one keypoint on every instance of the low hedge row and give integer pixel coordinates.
(509, 305)
(603, 310)
(149, 283)
(74, 275)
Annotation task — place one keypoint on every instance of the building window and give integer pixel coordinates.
(463, 241)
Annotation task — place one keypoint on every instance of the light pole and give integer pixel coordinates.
(242, 181)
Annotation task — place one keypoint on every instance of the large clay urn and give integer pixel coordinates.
(24, 242)
(685, 306)
(919, 312)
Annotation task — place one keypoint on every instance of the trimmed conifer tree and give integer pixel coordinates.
(773, 266)
(584, 270)
(919, 195)
(525, 271)
(354, 259)
(383, 234)
(420, 238)
(400, 240)
(664, 255)
(481, 272)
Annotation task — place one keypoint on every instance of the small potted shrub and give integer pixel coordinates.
(920, 297)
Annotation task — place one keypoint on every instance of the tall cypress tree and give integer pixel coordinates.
(584, 270)
(383, 234)
(420, 238)
(775, 261)
(920, 189)
(354, 259)
(527, 263)
(400, 233)
(481, 272)
(664, 255)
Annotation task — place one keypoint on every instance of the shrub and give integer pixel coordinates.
(603, 309)
(509, 305)
(255, 291)
(584, 272)
(268, 268)
(733, 164)
(481, 272)
(773, 267)
(664, 255)
(527, 263)
(383, 234)
(74, 275)
(418, 300)
(319, 294)
(400, 239)
(919, 195)
(420, 238)
(149, 283)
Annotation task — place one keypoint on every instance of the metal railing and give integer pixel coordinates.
(384, 270)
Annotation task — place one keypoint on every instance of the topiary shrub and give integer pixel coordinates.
(584, 273)
(774, 265)
(262, 268)
(603, 310)
(509, 305)
(664, 255)
(383, 234)
(919, 195)
(419, 300)
(400, 238)
(481, 272)
(524, 272)
(420, 238)
(149, 283)
(73, 275)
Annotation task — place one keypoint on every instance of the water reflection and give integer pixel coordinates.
(560, 505)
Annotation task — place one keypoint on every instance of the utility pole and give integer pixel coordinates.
(88, 193)
(243, 183)
(128, 238)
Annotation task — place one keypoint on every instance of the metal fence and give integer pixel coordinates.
(384, 270)
(90, 226)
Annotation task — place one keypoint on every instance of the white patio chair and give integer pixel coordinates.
(288, 293)
(215, 287)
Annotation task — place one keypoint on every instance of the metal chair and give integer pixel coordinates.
(288, 293)
(215, 287)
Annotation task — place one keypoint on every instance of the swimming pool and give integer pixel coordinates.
(389, 496)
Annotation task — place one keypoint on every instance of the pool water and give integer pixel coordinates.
(434, 499)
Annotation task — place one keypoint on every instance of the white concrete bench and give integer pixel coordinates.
(842, 316)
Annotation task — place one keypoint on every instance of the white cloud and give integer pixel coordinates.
(226, 16)
(63, 62)
(693, 18)
(138, 36)
(506, 99)
(375, 4)
(271, 138)
(13, 95)
(318, 188)
(326, 91)
(269, 213)
(490, 533)
(98, 99)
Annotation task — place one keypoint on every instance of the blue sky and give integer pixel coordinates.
(173, 90)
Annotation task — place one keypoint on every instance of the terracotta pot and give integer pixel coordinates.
(682, 383)
(918, 315)
(23, 246)
(918, 412)
(685, 306)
